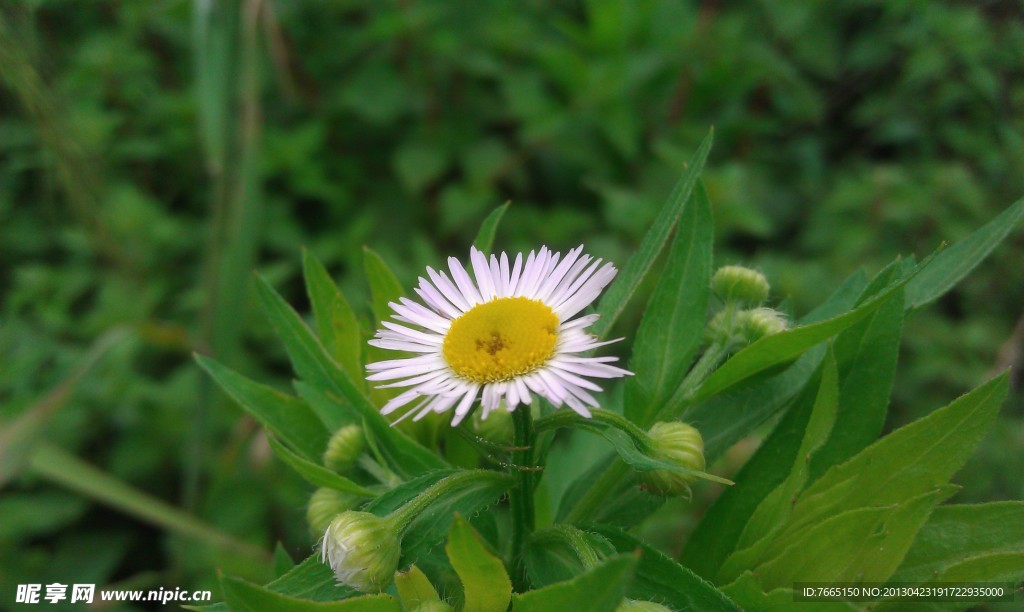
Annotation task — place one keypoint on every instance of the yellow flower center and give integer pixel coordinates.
(501, 339)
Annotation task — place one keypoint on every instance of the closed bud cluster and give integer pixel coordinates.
(363, 550)
(344, 448)
(497, 427)
(633, 605)
(739, 284)
(760, 322)
(681, 445)
(325, 504)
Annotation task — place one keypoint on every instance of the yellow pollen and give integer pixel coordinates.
(501, 339)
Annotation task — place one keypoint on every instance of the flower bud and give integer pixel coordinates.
(679, 444)
(497, 427)
(432, 606)
(362, 549)
(632, 605)
(760, 322)
(344, 448)
(739, 284)
(325, 504)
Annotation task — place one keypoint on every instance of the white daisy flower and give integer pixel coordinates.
(506, 336)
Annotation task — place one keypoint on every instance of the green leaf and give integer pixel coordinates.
(910, 461)
(957, 533)
(476, 490)
(867, 354)
(672, 327)
(284, 415)
(283, 562)
(748, 593)
(946, 270)
(626, 283)
(336, 322)
(639, 460)
(842, 299)
(403, 454)
(731, 416)
(317, 474)
(246, 596)
(993, 567)
(661, 579)
(785, 346)
(489, 228)
(414, 588)
(311, 580)
(317, 369)
(384, 285)
(866, 544)
(561, 552)
(719, 531)
(599, 590)
(774, 509)
(485, 582)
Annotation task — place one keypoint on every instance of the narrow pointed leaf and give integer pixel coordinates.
(673, 324)
(317, 474)
(621, 291)
(489, 228)
(244, 596)
(336, 322)
(286, 416)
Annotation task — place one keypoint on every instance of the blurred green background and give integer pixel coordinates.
(153, 153)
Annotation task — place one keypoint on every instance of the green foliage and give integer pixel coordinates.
(153, 155)
(485, 583)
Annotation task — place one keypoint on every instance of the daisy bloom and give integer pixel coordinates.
(506, 335)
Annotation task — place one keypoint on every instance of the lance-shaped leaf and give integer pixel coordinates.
(384, 285)
(286, 416)
(661, 579)
(673, 324)
(485, 583)
(317, 474)
(628, 280)
(336, 322)
(489, 228)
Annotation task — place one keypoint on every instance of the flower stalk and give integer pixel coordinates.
(521, 498)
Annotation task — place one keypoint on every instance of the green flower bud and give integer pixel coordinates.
(363, 550)
(739, 284)
(432, 606)
(760, 322)
(497, 427)
(632, 605)
(677, 443)
(325, 504)
(344, 448)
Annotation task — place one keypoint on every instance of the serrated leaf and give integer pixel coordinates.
(489, 228)
(336, 322)
(672, 326)
(245, 596)
(867, 354)
(661, 579)
(911, 460)
(774, 509)
(404, 455)
(946, 270)
(958, 533)
(317, 474)
(866, 544)
(485, 583)
(414, 588)
(628, 280)
(476, 489)
(598, 590)
(284, 415)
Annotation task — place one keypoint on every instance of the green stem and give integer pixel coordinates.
(521, 498)
(605, 486)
